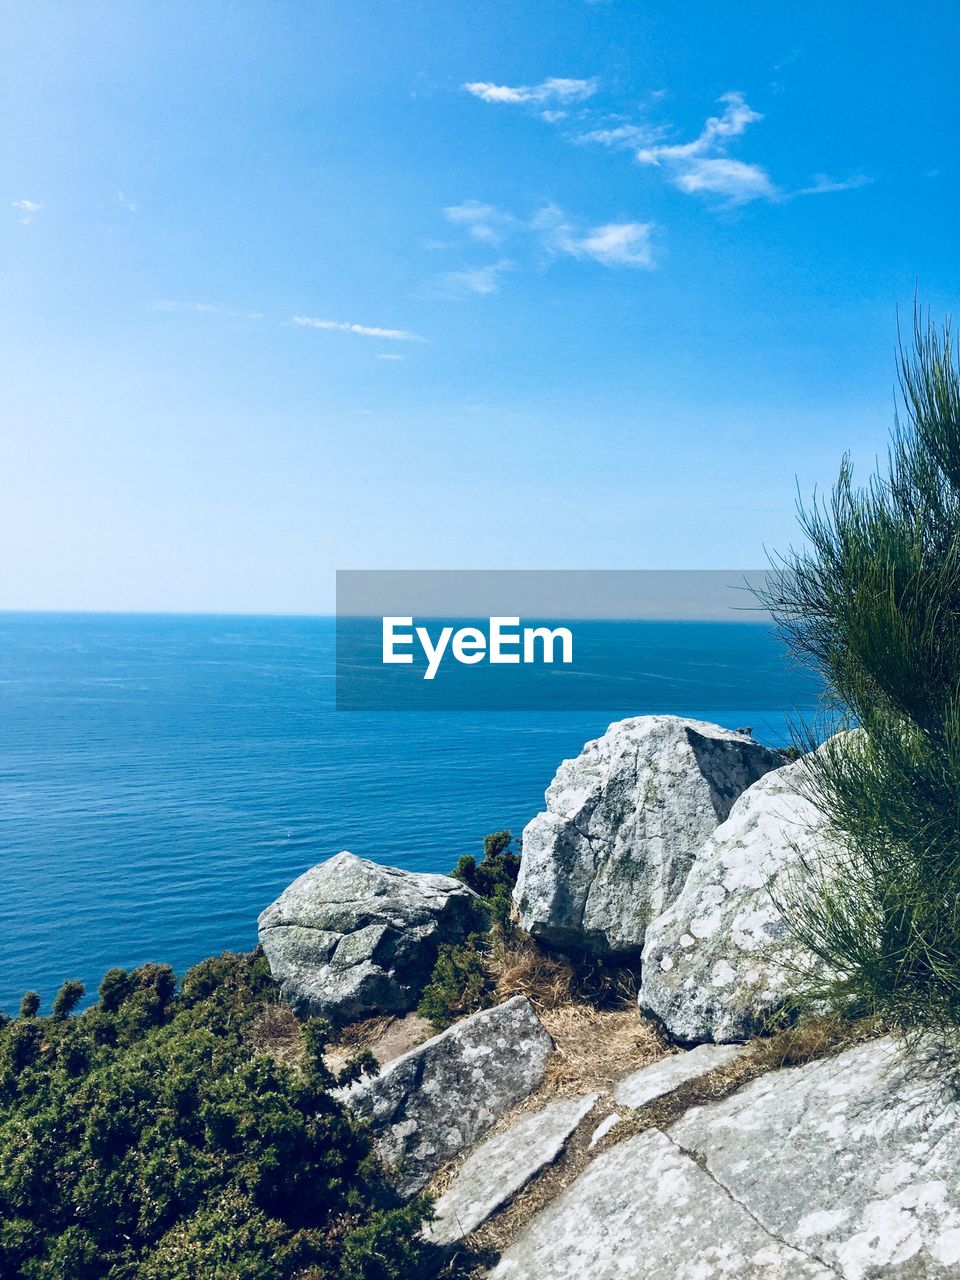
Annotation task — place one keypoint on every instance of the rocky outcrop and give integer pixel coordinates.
(846, 1167)
(721, 959)
(854, 1160)
(622, 825)
(645, 1209)
(430, 1104)
(351, 938)
(660, 1078)
(502, 1165)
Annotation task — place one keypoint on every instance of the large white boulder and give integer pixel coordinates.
(622, 824)
(721, 959)
(350, 938)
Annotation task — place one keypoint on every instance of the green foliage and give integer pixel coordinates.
(874, 606)
(144, 1139)
(461, 982)
(494, 876)
(67, 998)
(29, 1005)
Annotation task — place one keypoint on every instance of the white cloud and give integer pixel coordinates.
(482, 221)
(388, 355)
(481, 281)
(28, 208)
(737, 181)
(130, 205)
(623, 135)
(614, 244)
(555, 89)
(365, 330)
(824, 185)
(702, 167)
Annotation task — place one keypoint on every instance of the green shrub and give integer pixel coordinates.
(494, 876)
(29, 1005)
(145, 1138)
(873, 604)
(67, 998)
(461, 982)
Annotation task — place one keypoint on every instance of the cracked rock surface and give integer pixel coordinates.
(350, 938)
(622, 824)
(853, 1159)
(847, 1167)
(717, 963)
(643, 1210)
(430, 1104)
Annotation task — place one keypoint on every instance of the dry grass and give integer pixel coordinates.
(598, 1047)
(276, 1031)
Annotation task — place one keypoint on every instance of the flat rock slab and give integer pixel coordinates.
(853, 1159)
(662, 1077)
(428, 1105)
(645, 1211)
(502, 1166)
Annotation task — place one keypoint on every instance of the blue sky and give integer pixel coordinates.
(295, 287)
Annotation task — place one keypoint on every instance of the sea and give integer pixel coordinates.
(164, 777)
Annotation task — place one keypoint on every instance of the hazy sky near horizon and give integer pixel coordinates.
(511, 284)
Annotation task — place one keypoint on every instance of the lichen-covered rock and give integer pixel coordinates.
(622, 825)
(643, 1210)
(435, 1101)
(660, 1078)
(502, 1165)
(350, 938)
(854, 1160)
(720, 960)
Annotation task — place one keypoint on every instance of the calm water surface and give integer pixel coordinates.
(162, 778)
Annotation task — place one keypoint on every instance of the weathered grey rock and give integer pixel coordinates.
(606, 1125)
(666, 1075)
(502, 1166)
(622, 824)
(351, 938)
(435, 1101)
(720, 959)
(645, 1211)
(853, 1159)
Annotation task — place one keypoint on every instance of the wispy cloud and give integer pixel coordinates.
(364, 330)
(482, 221)
(206, 308)
(702, 166)
(125, 202)
(614, 244)
(549, 230)
(28, 209)
(554, 90)
(388, 355)
(481, 281)
(824, 185)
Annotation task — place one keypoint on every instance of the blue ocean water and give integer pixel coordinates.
(162, 778)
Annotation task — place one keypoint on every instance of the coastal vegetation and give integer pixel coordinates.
(872, 603)
(154, 1137)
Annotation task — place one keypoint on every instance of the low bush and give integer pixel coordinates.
(494, 876)
(147, 1139)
